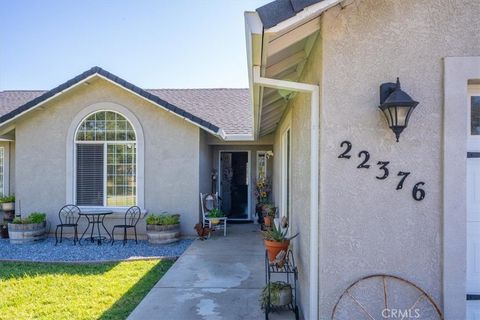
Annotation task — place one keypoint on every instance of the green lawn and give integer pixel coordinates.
(73, 291)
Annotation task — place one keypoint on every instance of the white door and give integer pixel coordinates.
(473, 225)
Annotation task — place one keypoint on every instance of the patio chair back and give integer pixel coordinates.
(132, 216)
(69, 214)
(208, 201)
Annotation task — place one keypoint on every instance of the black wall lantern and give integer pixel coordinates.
(397, 106)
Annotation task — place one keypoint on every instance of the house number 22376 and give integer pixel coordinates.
(364, 163)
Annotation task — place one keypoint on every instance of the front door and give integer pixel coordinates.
(234, 184)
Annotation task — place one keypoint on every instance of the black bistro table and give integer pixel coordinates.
(95, 217)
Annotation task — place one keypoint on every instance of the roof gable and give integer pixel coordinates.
(40, 97)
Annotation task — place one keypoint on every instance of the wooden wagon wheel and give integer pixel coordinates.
(385, 297)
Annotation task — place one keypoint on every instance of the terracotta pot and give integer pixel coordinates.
(267, 221)
(274, 248)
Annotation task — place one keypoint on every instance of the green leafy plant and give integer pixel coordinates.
(6, 199)
(34, 217)
(216, 213)
(37, 217)
(163, 219)
(278, 233)
(275, 292)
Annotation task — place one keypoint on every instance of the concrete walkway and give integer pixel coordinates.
(220, 278)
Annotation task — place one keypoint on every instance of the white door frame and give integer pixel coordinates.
(458, 72)
(249, 179)
(284, 183)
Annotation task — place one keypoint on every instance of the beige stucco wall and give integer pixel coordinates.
(380, 229)
(297, 119)
(171, 153)
(366, 225)
(205, 167)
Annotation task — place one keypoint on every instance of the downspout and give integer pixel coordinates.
(314, 92)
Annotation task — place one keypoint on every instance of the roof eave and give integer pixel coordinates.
(257, 52)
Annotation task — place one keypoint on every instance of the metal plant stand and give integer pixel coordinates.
(290, 274)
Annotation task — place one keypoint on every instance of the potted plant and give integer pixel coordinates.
(29, 229)
(268, 212)
(215, 213)
(262, 192)
(280, 294)
(163, 228)
(4, 230)
(276, 240)
(7, 203)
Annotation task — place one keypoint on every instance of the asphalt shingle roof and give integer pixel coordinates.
(277, 11)
(227, 109)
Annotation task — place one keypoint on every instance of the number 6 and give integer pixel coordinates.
(417, 192)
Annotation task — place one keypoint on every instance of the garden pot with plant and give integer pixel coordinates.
(276, 240)
(215, 213)
(279, 292)
(268, 212)
(29, 229)
(263, 189)
(163, 228)
(7, 203)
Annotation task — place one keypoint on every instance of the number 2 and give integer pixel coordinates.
(363, 165)
(345, 154)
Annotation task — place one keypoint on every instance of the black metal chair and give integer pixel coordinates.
(132, 216)
(68, 216)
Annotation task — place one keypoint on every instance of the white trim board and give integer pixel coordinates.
(458, 72)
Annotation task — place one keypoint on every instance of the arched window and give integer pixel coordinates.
(106, 161)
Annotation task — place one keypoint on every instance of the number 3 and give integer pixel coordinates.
(383, 166)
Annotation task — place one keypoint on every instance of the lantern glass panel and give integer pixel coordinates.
(402, 113)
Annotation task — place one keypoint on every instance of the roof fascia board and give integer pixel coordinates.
(254, 44)
(41, 103)
(239, 137)
(303, 16)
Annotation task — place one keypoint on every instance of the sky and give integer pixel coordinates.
(150, 43)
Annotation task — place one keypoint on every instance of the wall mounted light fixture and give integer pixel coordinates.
(396, 105)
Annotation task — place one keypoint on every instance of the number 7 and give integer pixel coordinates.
(405, 175)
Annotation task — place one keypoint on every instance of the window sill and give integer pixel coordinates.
(118, 212)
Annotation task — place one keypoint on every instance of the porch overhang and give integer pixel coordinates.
(280, 52)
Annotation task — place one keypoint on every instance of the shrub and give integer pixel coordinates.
(164, 219)
(34, 217)
(7, 199)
